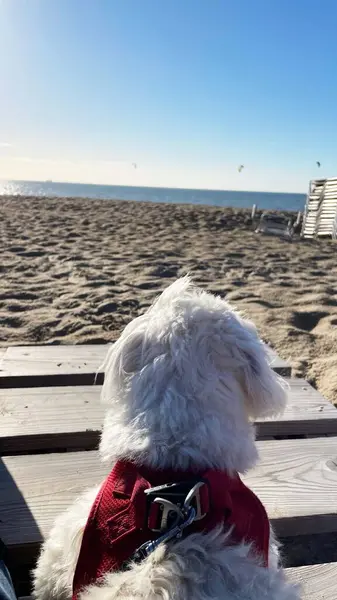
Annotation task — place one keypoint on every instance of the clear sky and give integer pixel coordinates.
(186, 89)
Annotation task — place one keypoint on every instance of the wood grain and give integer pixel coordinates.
(318, 582)
(296, 480)
(28, 366)
(33, 366)
(35, 489)
(55, 418)
(35, 419)
(307, 413)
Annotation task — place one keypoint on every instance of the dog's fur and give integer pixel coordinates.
(183, 384)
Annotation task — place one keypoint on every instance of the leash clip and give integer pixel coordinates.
(174, 517)
(176, 532)
(194, 496)
(167, 503)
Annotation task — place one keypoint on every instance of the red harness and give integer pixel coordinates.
(124, 516)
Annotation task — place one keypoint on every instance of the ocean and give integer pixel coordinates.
(238, 199)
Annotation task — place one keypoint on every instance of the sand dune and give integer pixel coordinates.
(76, 271)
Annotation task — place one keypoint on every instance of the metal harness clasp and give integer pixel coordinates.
(180, 518)
(194, 495)
(167, 502)
(176, 532)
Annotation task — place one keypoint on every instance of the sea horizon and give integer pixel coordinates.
(284, 201)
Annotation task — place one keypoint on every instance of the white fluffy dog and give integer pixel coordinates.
(184, 383)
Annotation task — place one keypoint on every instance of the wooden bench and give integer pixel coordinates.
(296, 479)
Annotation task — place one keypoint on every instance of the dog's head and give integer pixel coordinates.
(190, 364)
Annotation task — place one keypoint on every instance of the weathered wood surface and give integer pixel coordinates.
(296, 480)
(35, 419)
(55, 418)
(307, 413)
(318, 582)
(27, 366)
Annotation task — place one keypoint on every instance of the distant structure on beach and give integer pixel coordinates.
(320, 215)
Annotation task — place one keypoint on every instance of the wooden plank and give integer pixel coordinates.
(318, 582)
(296, 480)
(30, 366)
(36, 366)
(34, 490)
(307, 413)
(36, 419)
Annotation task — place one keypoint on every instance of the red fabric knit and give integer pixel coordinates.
(116, 526)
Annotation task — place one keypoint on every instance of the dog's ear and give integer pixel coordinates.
(265, 392)
(123, 360)
(238, 354)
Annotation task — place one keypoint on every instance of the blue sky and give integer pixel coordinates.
(187, 89)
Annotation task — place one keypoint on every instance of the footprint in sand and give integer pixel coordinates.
(148, 285)
(16, 249)
(15, 322)
(19, 296)
(32, 253)
(164, 271)
(235, 255)
(307, 321)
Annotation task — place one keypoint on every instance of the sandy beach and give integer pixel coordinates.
(76, 271)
